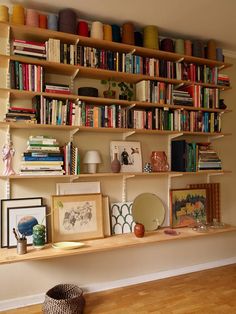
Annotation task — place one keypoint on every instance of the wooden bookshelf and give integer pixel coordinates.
(8, 256)
(33, 33)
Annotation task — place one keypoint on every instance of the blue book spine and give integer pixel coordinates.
(29, 158)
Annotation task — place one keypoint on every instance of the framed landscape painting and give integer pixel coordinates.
(129, 155)
(77, 217)
(188, 206)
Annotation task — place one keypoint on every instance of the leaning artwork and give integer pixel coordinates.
(187, 207)
(76, 217)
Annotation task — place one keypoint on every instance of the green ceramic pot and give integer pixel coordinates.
(39, 236)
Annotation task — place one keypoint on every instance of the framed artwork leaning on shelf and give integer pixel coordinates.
(14, 202)
(188, 206)
(77, 217)
(129, 155)
(23, 219)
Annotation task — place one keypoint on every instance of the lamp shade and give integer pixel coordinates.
(92, 158)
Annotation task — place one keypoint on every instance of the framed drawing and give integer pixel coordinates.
(77, 217)
(23, 219)
(129, 155)
(188, 206)
(14, 202)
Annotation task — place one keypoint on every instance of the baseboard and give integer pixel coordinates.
(39, 298)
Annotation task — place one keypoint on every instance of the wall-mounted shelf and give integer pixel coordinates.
(29, 33)
(8, 256)
(124, 174)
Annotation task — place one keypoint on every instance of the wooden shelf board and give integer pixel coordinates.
(27, 32)
(120, 174)
(8, 256)
(96, 73)
(23, 94)
(22, 125)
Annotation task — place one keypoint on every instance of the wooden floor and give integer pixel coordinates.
(206, 292)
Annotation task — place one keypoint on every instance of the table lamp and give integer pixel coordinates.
(92, 158)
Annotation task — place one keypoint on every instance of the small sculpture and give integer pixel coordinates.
(8, 152)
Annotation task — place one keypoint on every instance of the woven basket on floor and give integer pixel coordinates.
(64, 299)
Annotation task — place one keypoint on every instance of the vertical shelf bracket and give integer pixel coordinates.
(8, 188)
(213, 174)
(72, 133)
(127, 134)
(124, 190)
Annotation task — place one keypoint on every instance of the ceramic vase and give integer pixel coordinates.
(139, 230)
(115, 164)
(39, 236)
(159, 161)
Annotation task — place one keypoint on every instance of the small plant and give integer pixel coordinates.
(109, 93)
(126, 90)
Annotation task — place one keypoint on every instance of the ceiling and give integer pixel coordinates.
(202, 19)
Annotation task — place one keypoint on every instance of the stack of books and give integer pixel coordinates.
(182, 97)
(43, 157)
(208, 159)
(57, 88)
(29, 48)
(223, 80)
(20, 114)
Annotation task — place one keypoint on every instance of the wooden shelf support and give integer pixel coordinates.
(124, 185)
(127, 134)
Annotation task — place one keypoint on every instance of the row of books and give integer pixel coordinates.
(131, 63)
(81, 113)
(192, 157)
(154, 91)
(56, 111)
(223, 80)
(174, 120)
(28, 77)
(71, 159)
(56, 51)
(164, 93)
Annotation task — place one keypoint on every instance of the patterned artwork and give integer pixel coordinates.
(121, 218)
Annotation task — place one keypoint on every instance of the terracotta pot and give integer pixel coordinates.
(139, 230)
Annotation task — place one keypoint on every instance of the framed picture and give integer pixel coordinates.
(14, 202)
(121, 218)
(23, 218)
(129, 155)
(77, 217)
(188, 206)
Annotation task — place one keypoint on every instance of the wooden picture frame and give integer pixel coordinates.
(14, 202)
(77, 217)
(15, 214)
(129, 154)
(187, 206)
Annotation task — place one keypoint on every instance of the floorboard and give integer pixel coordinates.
(207, 292)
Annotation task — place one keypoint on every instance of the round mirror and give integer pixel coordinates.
(148, 210)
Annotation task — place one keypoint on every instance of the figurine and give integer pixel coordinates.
(7, 154)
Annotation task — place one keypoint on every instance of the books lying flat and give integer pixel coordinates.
(42, 173)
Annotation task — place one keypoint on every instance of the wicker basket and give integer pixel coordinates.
(64, 299)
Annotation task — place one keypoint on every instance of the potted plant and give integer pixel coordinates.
(126, 90)
(109, 92)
